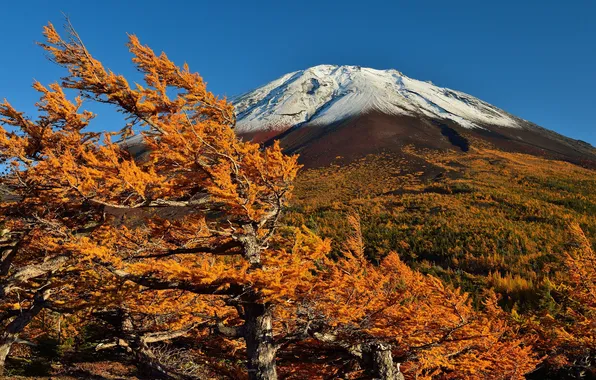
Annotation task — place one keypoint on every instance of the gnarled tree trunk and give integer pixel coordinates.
(10, 335)
(138, 345)
(377, 356)
(251, 246)
(260, 347)
(5, 346)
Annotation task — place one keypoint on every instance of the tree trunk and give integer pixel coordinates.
(144, 356)
(152, 366)
(11, 333)
(260, 347)
(250, 245)
(4, 350)
(377, 356)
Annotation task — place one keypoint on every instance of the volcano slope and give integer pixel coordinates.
(328, 111)
(483, 219)
(375, 132)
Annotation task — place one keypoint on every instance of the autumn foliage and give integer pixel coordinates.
(568, 333)
(433, 329)
(170, 231)
(487, 220)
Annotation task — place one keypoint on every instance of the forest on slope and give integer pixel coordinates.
(487, 219)
(194, 262)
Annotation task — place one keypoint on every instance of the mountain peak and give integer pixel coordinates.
(325, 94)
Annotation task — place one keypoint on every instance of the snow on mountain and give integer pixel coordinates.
(325, 94)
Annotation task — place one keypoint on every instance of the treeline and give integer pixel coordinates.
(179, 260)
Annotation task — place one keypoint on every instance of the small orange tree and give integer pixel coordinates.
(581, 290)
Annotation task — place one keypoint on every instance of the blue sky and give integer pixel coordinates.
(535, 59)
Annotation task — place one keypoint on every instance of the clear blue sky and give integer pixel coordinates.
(535, 59)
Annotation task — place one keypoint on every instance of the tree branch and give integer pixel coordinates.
(224, 249)
(31, 271)
(215, 288)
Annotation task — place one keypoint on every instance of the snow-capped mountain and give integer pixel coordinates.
(328, 111)
(325, 94)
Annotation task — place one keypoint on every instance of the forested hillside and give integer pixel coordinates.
(486, 218)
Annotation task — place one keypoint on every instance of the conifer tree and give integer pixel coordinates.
(223, 196)
(432, 329)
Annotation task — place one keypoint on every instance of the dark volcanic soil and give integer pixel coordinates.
(375, 133)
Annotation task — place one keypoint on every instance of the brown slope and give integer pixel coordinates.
(375, 132)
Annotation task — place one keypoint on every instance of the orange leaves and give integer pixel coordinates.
(87, 250)
(569, 335)
(205, 270)
(51, 34)
(278, 166)
(59, 111)
(14, 118)
(432, 326)
(290, 276)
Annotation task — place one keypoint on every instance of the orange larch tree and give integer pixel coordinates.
(206, 204)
